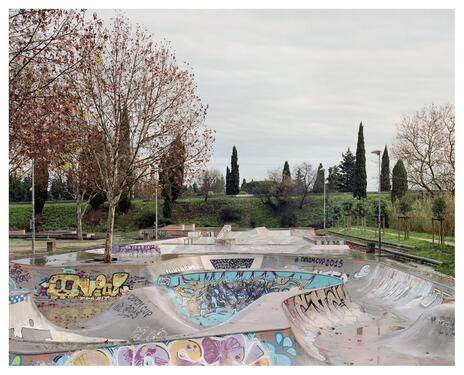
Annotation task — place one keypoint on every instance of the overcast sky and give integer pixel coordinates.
(294, 85)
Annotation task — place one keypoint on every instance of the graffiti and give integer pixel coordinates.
(232, 263)
(18, 274)
(11, 283)
(282, 350)
(323, 300)
(262, 349)
(210, 298)
(78, 285)
(146, 333)
(136, 250)
(183, 268)
(446, 325)
(364, 271)
(133, 307)
(433, 297)
(17, 298)
(328, 262)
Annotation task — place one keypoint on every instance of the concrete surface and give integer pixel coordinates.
(298, 305)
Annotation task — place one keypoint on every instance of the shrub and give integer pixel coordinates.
(97, 200)
(229, 214)
(252, 222)
(146, 219)
(405, 207)
(124, 204)
(439, 207)
(288, 220)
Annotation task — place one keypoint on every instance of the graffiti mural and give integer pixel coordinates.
(306, 305)
(133, 308)
(69, 286)
(136, 250)
(261, 349)
(210, 298)
(231, 263)
(327, 262)
(18, 274)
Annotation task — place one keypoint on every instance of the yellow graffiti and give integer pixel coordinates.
(72, 286)
(91, 357)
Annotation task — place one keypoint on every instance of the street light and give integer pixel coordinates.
(323, 173)
(33, 210)
(156, 204)
(378, 152)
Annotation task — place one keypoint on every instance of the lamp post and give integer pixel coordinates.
(378, 152)
(323, 173)
(156, 205)
(33, 210)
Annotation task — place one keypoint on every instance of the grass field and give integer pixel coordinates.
(253, 212)
(444, 253)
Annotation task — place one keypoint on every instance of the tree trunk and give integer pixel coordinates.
(109, 230)
(79, 216)
(206, 197)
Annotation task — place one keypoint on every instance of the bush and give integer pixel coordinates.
(97, 200)
(439, 207)
(288, 220)
(124, 204)
(252, 222)
(405, 207)
(229, 214)
(145, 219)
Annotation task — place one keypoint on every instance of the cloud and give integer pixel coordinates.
(294, 85)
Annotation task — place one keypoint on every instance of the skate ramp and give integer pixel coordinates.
(382, 288)
(368, 320)
(27, 323)
(188, 304)
(431, 335)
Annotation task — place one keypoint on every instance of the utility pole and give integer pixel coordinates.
(378, 152)
(33, 210)
(323, 171)
(156, 206)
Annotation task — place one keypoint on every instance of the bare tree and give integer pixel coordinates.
(208, 181)
(124, 68)
(305, 175)
(71, 169)
(425, 142)
(44, 52)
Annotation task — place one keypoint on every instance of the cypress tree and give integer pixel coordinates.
(346, 171)
(385, 184)
(360, 177)
(234, 173)
(286, 172)
(228, 184)
(399, 181)
(167, 204)
(333, 179)
(319, 183)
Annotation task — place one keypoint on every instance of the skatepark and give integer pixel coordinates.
(257, 297)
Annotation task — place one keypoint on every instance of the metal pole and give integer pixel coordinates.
(156, 207)
(323, 171)
(33, 210)
(380, 232)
